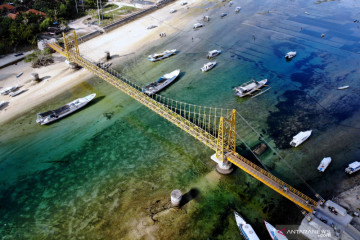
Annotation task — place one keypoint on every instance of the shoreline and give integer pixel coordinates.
(58, 77)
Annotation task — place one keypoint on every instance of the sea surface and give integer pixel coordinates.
(107, 171)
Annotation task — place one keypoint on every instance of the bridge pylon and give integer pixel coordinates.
(226, 140)
(226, 143)
(71, 45)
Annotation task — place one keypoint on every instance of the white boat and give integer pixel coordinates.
(246, 230)
(13, 94)
(53, 115)
(230, 3)
(274, 233)
(290, 55)
(343, 87)
(353, 167)
(213, 53)
(198, 25)
(324, 164)
(8, 90)
(208, 66)
(2, 104)
(183, 3)
(151, 27)
(173, 10)
(249, 87)
(161, 83)
(300, 138)
(237, 9)
(159, 56)
(19, 74)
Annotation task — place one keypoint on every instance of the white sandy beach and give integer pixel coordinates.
(58, 77)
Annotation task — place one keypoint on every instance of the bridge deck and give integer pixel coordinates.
(273, 182)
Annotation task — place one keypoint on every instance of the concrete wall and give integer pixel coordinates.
(89, 36)
(135, 15)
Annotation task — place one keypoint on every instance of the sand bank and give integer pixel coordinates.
(58, 77)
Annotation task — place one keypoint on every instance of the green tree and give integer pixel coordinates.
(45, 24)
(63, 10)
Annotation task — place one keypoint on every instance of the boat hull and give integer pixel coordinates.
(324, 164)
(259, 85)
(274, 233)
(172, 76)
(74, 106)
(211, 66)
(299, 140)
(246, 230)
(151, 58)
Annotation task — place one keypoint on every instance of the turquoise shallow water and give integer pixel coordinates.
(107, 171)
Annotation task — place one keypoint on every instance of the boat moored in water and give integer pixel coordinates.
(249, 87)
(343, 87)
(53, 115)
(198, 25)
(159, 56)
(290, 55)
(353, 167)
(213, 53)
(274, 233)
(245, 229)
(161, 83)
(223, 15)
(300, 138)
(324, 164)
(208, 66)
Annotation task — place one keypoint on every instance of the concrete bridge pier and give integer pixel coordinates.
(176, 196)
(72, 65)
(107, 55)
(223, 167)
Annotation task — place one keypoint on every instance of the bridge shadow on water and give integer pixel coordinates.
(190, 195)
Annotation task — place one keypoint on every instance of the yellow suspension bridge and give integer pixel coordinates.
(215, 127)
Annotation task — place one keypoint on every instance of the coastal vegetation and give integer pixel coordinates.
(109, 17)
(40, 58)
(22, 21)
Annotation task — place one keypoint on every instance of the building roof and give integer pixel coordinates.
(7, 6)
(35, 12)
(13, 16)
